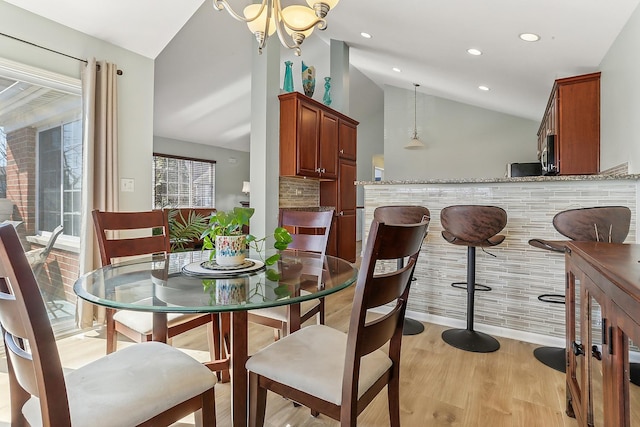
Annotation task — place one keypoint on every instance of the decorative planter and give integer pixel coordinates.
(231, 291)
(230, 250)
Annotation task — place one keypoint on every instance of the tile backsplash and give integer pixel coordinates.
(299, 192)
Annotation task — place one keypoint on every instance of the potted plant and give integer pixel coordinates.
(185, 232)
(225, 238)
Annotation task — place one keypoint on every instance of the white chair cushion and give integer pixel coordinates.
(142, 322)
(280, 312)
(129, 386)
(312, 360)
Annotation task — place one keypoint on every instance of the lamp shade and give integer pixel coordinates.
(298, 16)
(257, 25)
(246, 187)
(414, 144)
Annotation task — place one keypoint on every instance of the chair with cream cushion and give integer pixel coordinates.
(310, 233)
(339, 374)
(135, 325)
(143, 384)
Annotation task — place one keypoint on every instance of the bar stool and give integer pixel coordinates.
(595, 224)
(472, 226)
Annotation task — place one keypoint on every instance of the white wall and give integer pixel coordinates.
(462, 141)
(620, 100)
(135, 87)
(232, 167)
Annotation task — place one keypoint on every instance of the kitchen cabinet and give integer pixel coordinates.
(603, 315)
(573, 116)
(342, 195)
(319, 142)
(309, 137)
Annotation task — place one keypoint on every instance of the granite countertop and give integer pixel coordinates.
(506, 180)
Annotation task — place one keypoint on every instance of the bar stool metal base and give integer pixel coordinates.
(464, 339)
(412, 327)
(553, 357)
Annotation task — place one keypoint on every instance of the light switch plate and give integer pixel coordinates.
(126, 185)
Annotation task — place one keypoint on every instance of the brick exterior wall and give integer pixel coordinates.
(61, 269)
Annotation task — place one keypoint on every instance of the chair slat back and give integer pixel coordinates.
(385, 241)
(115, 247)
(597, 224)
(309, 230)
(33, 359)
(473, 223)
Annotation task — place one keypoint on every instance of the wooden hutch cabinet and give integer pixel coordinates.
(573, 117)
(603, 323)
(309, 136)
(321, 143)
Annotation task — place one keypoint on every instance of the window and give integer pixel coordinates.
(60, 177)
(181, 182)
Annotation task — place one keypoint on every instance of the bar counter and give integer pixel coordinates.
(519, 272)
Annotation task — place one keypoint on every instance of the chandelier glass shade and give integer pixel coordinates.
(415, 142)
(292, 24)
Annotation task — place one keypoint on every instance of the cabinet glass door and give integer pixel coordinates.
(634, 384)
(594, 353)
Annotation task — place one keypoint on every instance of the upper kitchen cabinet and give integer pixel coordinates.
(311, 135)
(573, 117)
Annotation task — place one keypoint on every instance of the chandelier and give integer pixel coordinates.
(268, 17)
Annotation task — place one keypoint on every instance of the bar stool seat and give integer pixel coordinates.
(472, 226)
(593, 224)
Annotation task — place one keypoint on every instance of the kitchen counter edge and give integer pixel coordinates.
(561, 178)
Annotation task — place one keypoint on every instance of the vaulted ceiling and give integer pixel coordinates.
(426, 39)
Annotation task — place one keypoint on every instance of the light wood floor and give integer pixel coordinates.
(441, 386)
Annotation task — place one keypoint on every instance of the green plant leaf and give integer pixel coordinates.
(281, 246)
(272, 274)
(272, 259)
(282, 291)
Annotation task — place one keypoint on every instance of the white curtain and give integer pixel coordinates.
(100, 166)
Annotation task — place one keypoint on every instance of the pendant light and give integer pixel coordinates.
(415, 143)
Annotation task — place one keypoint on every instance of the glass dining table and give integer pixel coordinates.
(185, 282)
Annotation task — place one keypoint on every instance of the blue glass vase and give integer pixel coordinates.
(326, 99)
(287, 85)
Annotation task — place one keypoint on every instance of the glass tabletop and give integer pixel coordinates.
(176, 283)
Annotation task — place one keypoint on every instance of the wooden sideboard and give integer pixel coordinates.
(603, 323)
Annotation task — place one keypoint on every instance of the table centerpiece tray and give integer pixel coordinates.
(212, 269)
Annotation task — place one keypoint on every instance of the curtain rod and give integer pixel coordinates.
(118, 72)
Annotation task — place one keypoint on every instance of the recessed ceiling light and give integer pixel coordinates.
(485, 88)
(366, 35)
(396, 69)
(529, 37)
(474, 52)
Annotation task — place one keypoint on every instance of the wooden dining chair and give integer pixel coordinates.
(339, 374)
(309, 233)
(144, 384)
(138, 326)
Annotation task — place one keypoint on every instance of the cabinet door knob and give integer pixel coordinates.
(341, 213)
(323, 170)
(578, 349)
(318, 170)
(595, 352)
(341, 151)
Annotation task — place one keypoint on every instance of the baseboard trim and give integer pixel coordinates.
(529, 337)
